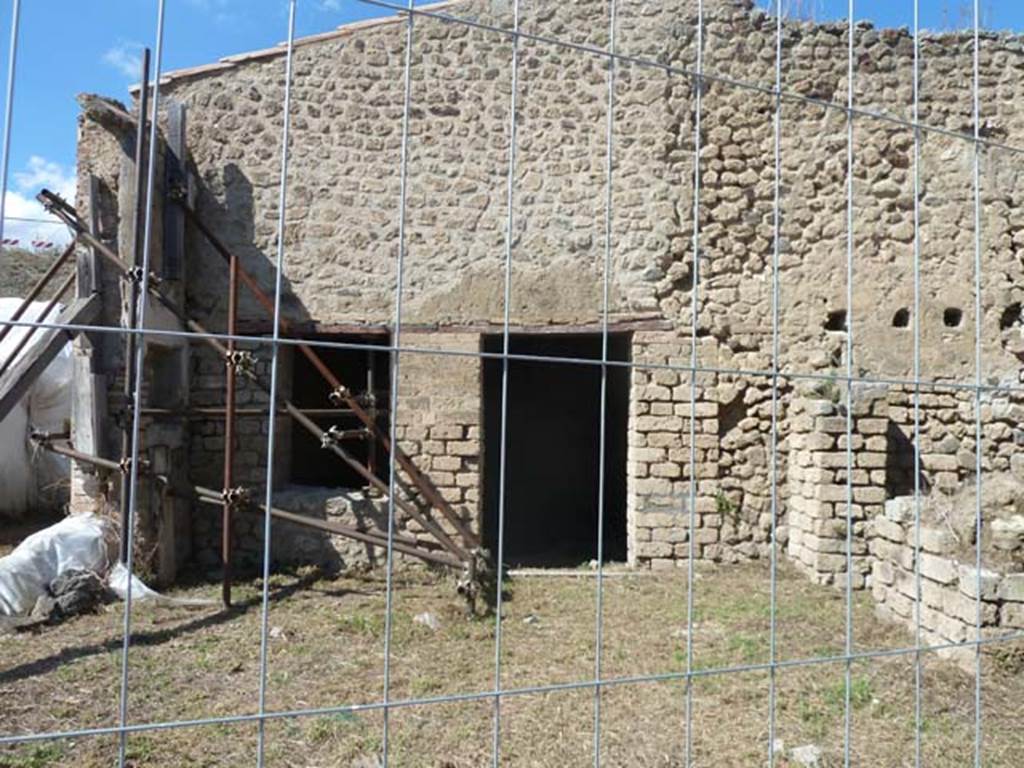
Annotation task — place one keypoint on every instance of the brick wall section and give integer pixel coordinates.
(658, 456)
(206, 451)
(438, 426)
(949, 585)
(817, 484)
(439, 418)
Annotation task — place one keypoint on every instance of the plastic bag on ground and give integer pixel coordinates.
(78, 542)
(81, 543)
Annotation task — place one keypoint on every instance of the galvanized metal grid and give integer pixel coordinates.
(260, 714)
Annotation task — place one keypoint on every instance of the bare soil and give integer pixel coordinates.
(326, 649)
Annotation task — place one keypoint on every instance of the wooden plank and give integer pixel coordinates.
(175, 177)
(88, 260)
(48, 342)
(88, 398)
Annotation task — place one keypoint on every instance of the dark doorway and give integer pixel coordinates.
(366, 372)
(553, 449)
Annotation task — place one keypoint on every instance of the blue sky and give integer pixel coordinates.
(935, 14)
(70, 46)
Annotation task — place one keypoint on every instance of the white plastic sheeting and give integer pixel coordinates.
(28, 476)
(79, 542)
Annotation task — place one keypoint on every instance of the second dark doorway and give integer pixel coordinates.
(553, 449)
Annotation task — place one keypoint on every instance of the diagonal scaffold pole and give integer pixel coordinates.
(373, 537)
(67, 213)
(339, 392)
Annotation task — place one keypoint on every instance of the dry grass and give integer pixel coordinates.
(327, 650)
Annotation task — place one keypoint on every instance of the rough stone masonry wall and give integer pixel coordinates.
(345, 163)
(341, 232)
(818, 487)
(947, 434)
(949, 582)
(736, 212)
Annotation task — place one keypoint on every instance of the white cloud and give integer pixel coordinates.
(125, 57)
(330, 5)
(26, 219)
(46, 173)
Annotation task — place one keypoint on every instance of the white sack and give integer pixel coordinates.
(118, 583)
(17, 484)
(78, 542)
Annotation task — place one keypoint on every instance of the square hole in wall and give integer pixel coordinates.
(367, 374)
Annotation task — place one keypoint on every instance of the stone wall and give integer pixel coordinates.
(206, 450)
(819, 489)
(341, 241)
(947, 433)
(439, 421)
(949, 581)
(438, 426)
(659, 459)
(345, 162)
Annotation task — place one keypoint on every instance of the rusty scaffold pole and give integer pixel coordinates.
(229, 431)
(374, 537)
(457, 554)
(134, 278)
(339, 392)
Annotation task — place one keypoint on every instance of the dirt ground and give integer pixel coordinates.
(326, 649)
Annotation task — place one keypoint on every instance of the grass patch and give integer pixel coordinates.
(329, 653)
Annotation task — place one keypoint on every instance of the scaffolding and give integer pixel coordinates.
(460, 551)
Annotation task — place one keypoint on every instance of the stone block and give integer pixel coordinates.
(968, 580)
(869, 495)
(940, 569)
(959, 606)
(882, 572)
(887, 529)
(1012, 588)
(871, 460)
(671, 535)
(651, 549)
(900, 510)
(831, 424)
(937, 540)
(897, 554)
(872, 426)
(948, 628)
(1008, 534)
(1012, 615)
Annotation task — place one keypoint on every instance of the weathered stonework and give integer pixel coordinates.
(822, 500)
(949, 605)
(341, 247)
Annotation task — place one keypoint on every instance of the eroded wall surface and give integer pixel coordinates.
(343, 220)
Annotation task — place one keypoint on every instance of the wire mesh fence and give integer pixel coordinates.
(671, 239)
